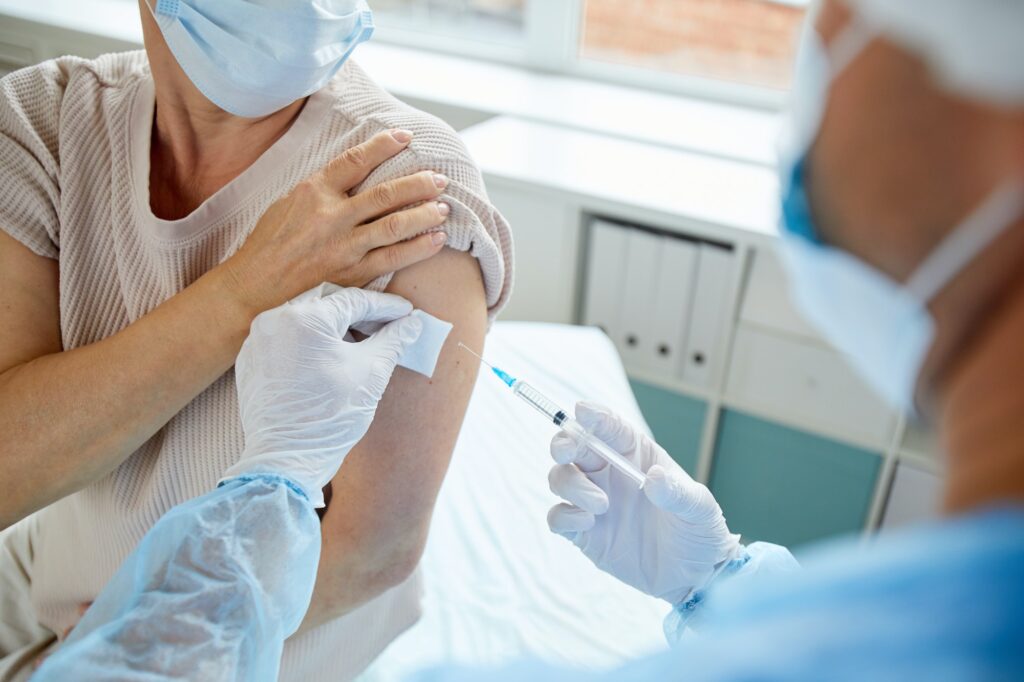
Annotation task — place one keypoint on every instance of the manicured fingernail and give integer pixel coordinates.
(402, 136)
(443, 208)
(438, 238)
(440, 180)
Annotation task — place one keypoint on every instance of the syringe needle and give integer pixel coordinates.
(474, 353)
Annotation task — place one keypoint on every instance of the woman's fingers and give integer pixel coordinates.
(355, 164)
(400, 225)
(382, 199)
(393, 258)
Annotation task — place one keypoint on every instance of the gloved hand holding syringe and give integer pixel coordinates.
(561, 419)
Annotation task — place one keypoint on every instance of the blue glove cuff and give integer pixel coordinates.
(683, 612)
(269, 478)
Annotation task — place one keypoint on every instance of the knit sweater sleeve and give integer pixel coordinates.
(30, 110)
(474, 225)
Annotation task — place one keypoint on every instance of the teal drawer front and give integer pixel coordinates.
(676, 420)
(786, 486)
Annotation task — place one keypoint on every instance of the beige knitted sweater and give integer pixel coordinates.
(74, 169)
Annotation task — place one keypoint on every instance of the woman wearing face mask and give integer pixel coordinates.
(923, 289)
(152, 204)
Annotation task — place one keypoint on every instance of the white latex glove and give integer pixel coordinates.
(306, 395)
(667, 539)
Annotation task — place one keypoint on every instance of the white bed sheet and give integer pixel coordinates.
(498, 584)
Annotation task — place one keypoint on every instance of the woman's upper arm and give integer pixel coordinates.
(30, 104)
(30, 305)
(388, 484)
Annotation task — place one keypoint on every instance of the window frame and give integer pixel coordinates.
(550, 44)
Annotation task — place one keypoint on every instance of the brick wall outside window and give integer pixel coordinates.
(746, 41)
(749, 41)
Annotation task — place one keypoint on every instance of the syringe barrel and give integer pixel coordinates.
(539, 402)
(554, 413)
(605, 451)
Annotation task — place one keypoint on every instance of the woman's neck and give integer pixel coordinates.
(983, 417)
(197, 148)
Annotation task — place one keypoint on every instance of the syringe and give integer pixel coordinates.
(560, 418)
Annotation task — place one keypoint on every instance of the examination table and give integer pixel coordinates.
(498, 584)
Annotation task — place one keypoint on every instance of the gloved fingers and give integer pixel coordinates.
(677, 493)
(567, 450)
(567, 520)
(573, 486)
(271, 322)
(364, 310)
(608, 426)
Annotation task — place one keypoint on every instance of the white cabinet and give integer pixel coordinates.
(712, 307)
(635, 337)
(545, 235)
(15, 53)
(605, 275)
(806, 385)
(664, 300)
(915, 496)
(766, 299)
(672, 303)
(923, 442)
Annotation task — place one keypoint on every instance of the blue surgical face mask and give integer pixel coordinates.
(254, 57)
(883, 326)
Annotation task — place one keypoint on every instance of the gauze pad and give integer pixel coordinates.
(421, 357)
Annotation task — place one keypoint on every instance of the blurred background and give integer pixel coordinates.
(748, 42)
(631, 145)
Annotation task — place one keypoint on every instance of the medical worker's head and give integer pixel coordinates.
(905, 150)
(252, 58)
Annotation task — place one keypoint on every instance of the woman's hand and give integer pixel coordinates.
(318, 233)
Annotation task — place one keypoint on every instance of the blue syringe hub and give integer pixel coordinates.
(508, 379)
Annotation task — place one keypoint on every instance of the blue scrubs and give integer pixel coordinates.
(937, 602)
(219, 582)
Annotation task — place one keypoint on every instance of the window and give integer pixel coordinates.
(744, 41)
(739, 50)
(498, 21)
